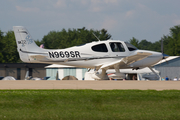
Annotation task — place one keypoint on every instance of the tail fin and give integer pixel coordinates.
(25, 43)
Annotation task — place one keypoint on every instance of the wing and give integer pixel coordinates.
(127, 60)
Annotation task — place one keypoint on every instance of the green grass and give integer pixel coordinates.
(90, 104)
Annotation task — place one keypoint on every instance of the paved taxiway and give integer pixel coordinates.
(95, 85)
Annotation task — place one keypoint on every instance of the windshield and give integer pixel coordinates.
(130, 47)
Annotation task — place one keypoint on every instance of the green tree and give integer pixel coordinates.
(174, 40)
(145, 45)
(9, 52)
(1, 44)
(134, 42)
(104, 35)
(156, 46)
(72, 37)
(38, 42)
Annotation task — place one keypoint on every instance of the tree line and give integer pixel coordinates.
(73, 37)
(171, 43)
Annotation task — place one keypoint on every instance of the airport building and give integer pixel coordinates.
(18, 70)
(36, 70)
(169, 67)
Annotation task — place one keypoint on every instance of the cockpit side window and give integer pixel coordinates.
(100, 48)
(117, 47)
(130, 47)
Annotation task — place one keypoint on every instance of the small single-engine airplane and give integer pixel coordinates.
(98, 55)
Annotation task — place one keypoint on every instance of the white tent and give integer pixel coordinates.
(64, 70)
(8, 78)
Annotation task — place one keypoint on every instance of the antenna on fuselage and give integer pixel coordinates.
(96, 36)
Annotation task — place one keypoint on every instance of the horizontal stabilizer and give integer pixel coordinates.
(39, 57)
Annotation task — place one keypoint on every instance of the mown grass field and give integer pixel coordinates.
(90, 104)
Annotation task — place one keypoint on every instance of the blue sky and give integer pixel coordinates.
(124, 19)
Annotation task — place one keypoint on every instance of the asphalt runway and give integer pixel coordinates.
(95, 85)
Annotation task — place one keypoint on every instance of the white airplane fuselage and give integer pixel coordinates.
(91, 59)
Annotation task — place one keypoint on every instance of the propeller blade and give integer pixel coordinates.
(162, 46)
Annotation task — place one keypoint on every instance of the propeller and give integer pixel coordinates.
(162, 47)
(162, 51)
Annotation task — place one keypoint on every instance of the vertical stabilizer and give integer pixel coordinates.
(25, 43)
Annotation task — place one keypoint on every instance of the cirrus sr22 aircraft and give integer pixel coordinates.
(98, 55)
